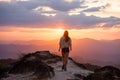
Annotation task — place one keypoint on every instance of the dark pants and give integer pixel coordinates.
(65, 50)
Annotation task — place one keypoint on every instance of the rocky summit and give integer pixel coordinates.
(42, 65)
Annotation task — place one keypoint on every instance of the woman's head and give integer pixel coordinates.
(66, 35)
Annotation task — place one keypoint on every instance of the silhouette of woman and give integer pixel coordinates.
(65, 45)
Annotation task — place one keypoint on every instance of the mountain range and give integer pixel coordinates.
(99, 52)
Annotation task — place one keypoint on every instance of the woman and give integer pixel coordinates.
(65, 46)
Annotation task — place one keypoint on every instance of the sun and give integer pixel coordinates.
(60, 30)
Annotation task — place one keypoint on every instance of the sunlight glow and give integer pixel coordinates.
(15, 33)
(60, 30)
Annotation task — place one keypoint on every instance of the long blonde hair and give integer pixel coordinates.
(66, 35)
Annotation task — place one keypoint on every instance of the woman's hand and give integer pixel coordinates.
(70, 48)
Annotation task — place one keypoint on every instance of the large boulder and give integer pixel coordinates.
(33, 62)
(47, 57)
(3, 70)
(105, 73)
(5, 66)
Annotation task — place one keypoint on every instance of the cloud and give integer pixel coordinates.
(62, 5)
(105, 7)
(83, 21)
(94, 9)
(50, 13)
(113, 21)
(12, 14)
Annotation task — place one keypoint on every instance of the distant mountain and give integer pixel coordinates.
(15, 48)
(100, 52)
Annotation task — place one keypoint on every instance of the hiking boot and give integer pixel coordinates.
(65, 68)
(62, 67)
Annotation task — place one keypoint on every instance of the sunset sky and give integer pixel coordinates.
(47, 19)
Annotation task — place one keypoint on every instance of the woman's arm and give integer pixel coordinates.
(59, 44)
(59, 49)
(71, 48)
(70, 44)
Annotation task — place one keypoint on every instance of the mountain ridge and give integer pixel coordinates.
(42, 65)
